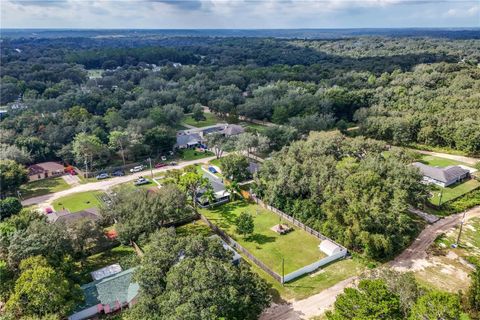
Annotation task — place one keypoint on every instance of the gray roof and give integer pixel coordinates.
(64, 216)
(217, 183)
(441, 174)
(233, 129)
(185, 139)
(117, 288)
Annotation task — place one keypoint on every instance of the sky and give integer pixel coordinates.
(238, 14)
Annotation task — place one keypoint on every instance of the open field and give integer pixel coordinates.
(447, 268)
(265, 244)
(78, 201)
(454, 191)
(210, 120)
(42, 187)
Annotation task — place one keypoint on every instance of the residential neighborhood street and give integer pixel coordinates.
(47, 199)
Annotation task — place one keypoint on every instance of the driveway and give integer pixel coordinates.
(47, 199)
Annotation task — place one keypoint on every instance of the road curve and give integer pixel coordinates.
(106, 184)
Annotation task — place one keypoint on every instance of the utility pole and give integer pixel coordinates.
(461, 228)
(440, 197)
(151, 170)
(86, 168)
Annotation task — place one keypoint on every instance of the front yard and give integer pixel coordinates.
(78, 201)
(210, 120)
(454, 191)
(42, 187)
(193, 154)
(265, 244)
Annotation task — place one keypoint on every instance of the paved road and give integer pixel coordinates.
(47, 199)
(464, 159)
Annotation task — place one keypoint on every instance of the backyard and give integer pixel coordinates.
(78, 201)
(210, 120)
(265, 244)
(42, 187)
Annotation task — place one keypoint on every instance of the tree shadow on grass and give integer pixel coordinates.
(260, 238)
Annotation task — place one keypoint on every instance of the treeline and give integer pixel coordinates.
(436, 105)
(347, 189)
(109, 58)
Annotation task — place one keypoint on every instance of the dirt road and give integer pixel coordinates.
(416, 253)
(47, 199)
(408, 260)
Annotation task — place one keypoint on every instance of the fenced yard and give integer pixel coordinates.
(453, 192)
(297, 248)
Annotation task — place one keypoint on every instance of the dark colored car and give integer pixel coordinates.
(212, 169)
(160, 165)
(118, 173)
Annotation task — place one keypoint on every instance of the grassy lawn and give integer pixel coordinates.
(78, 201)
(42, 187)
(197, 227)
(253, 126)
(121, 254)
(210, 120)
(192, 154)
(315, 282)
(265, 244)
(441, 162)
(453, 191)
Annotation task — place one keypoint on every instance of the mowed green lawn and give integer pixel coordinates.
(210, 120)
(298, 248)
(78, 201)
(192, 154)
(454, 191)
(42, 187)
(440, 162)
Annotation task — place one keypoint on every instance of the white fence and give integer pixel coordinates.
(314, 266)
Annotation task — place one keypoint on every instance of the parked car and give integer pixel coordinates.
(160, 165)
(137, 169)
(141, 181)
(72, 172)
(103, 175)
(118, 173)
(212, 169)
(48, 210)
(164, 158)
(173, 163)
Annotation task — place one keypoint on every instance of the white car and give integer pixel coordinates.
(136, 169)
(141, 181)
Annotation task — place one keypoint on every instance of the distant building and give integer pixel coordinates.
(67, 218)
(442, 177)
(44, 170)
(191, 138)
(112, 292)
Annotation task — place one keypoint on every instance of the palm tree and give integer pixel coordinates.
(209, 194)
(232, 188)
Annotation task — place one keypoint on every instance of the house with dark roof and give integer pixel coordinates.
(108, 294)
(221, 194)
(442, 177)
(188, 140)
(232, 130)
(68, 218)
(194, 137)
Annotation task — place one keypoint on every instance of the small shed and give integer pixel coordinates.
(329, 247)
